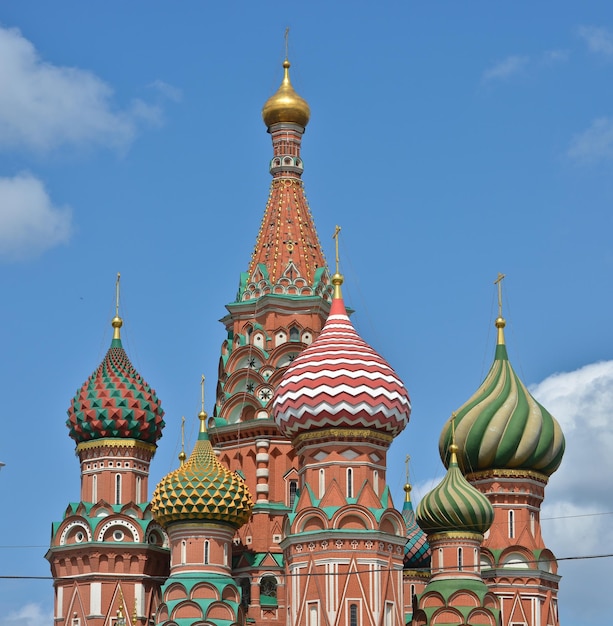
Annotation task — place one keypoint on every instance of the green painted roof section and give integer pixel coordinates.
(255, 559)
(503, 427)
(454, 504)
(451, 586)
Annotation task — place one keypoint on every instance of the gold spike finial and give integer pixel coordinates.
(286, 43)
(407, 485)
(337, 279)
(117, 322)
(500, 321)
(182, 455)
(453, 448)
(202, 415)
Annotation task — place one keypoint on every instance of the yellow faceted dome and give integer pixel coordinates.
(202, 489)
(286, 105)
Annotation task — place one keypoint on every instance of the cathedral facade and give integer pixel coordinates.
(281, 514)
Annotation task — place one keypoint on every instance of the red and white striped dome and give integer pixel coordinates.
(340, 381)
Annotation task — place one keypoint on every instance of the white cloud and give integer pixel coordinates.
(43, 105)
(599, 40)
(29, 222)
(29, 615)
(593, 144)
(555, 56)
(579, 498)
(507, 67)
(168, 91)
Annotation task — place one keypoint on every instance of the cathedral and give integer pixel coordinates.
(281, 515)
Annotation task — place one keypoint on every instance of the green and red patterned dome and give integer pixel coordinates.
(454, 504)
(202, 489)
(115, 401)
(502, 427)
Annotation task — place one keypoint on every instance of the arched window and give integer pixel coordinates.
(245, 584)
(94, 488)
(207, 550)
(322, 482)
(375, 481)
(225, 553)
(460, 560)
(139, 481)
(353, 615)
(349, 482)
(183, 552)
(294, 334)
(268, 591)
(511, 524)
(293, 490)
(117, 488)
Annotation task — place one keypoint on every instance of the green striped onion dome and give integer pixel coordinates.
(202, 489)
(115, 402)
(454, 505)
(502, 427)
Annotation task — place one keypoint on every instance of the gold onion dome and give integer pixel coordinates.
(286, 105)
(502, 427)
(202, 489)
(454, 505)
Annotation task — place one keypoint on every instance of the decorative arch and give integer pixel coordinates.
(204, 591)
(72, 529)
(356, 511)
(311, 519)
(230, 593)
(187, 610)
(175, 591)
(220, 611)
(123, 524)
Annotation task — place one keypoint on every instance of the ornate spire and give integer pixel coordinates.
(416, 550)
(337, 279)
(202, 489)
(286, 106)
(182, 455)
(502, 427)
(339, 381)
(454, 505)
(115, 401)
(117, 322)
(287, 258)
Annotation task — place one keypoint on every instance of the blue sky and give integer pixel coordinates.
(451, 141)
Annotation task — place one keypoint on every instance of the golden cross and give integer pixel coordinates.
(453, 416)
(406, 462)
(117, 295)
(337, 230)
(202, 391)
(183, 433)
(498, 282)
(286, 42)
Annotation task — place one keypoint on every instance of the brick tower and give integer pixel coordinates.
(107, 556)
(201, 505)
(281, 305)
(509, 446)
(342, 404)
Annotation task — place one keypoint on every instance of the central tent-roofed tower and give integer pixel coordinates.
(282, 303)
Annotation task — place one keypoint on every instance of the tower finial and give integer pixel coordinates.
(202, 415)
(182, 455)
(287, 43)
(407, 485)
(117, 322)
(453, 448)
(337, 279)
(500, 321)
